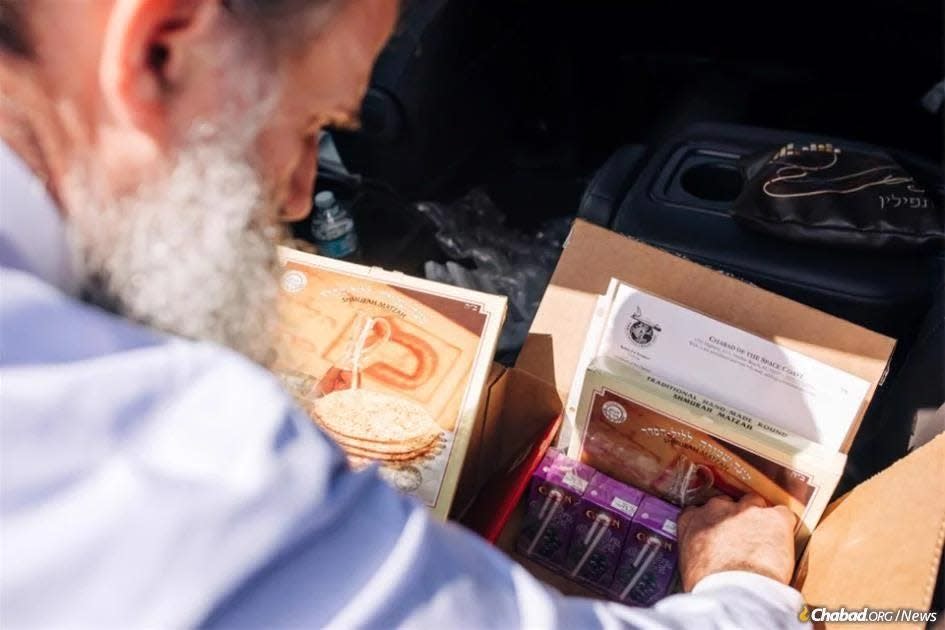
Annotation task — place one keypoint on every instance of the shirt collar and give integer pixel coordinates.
(32, 231)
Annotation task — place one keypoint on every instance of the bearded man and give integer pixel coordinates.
(154, 474)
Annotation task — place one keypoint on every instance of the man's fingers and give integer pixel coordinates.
(722, 506)
(789, 517)
(684, 520)
(751, 500)
(723, 535)
(719, 501)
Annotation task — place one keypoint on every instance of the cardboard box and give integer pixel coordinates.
(878, 546)
(518, 420)
(593, 255)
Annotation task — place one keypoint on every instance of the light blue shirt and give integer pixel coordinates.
(154, 482)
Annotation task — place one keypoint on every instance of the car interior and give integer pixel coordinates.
(642, 117)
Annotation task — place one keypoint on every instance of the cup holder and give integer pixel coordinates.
(713, 181)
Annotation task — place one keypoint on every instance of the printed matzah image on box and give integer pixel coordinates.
(391, 367)
(686, 448)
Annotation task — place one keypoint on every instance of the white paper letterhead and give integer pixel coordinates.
(789, 389)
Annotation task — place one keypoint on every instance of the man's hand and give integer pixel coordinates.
(726, 536)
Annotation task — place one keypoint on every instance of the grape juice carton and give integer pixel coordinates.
(648, 563)
(556, 489)
(604, 515)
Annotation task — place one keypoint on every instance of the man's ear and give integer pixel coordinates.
(148, 48)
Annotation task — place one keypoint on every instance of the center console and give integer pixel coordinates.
(678, 197)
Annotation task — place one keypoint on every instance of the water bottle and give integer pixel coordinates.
(333, 227)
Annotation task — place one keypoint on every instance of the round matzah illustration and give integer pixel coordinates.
(376, 424)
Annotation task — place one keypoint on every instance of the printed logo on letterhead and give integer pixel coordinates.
(642, 331)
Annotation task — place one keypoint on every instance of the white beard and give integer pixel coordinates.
(193, 255)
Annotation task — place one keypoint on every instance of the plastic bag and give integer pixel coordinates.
(487, 255)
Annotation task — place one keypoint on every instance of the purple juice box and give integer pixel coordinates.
(648, 562)
(604, 515)
(556, 488)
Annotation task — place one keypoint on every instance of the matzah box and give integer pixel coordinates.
(391, 367)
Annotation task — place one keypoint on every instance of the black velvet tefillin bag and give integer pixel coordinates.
(824, 194)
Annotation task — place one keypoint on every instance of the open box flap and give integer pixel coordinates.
(880, 544)
(593, 255)
(517, 410)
